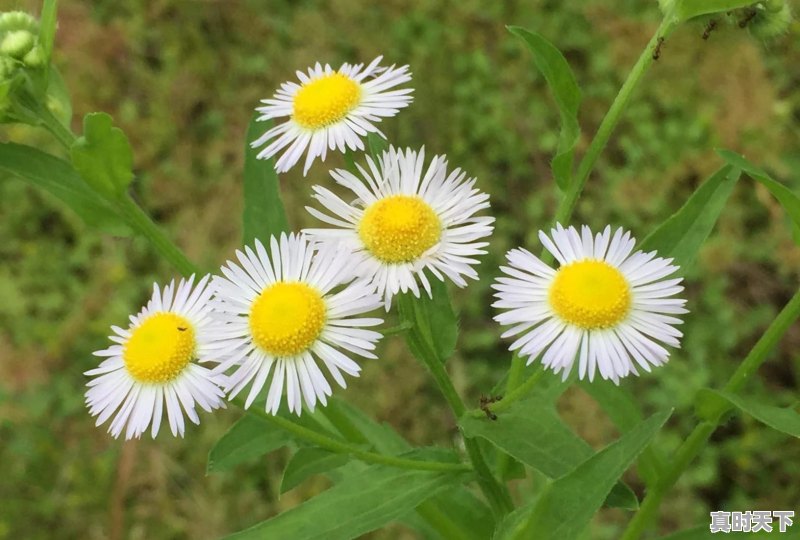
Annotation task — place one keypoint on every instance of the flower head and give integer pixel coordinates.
(607, 308)
(285, 312)
(330, 110)
(153, 364)
(406, 220)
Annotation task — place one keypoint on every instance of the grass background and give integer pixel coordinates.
(181, 78)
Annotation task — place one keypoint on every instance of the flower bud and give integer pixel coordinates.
(17, 43)
(34, 58)
(18, 20)
(769, 24)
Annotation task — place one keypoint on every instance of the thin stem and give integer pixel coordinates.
(341, 447)
(141, 222)
(519, 392)
(695, 442)
(61, 132)
(610, 121)
(496, 493)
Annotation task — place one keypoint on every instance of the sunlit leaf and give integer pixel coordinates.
(58, 178)
(682, 234)
(556, 71)
(264, 214)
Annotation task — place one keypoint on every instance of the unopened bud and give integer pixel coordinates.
(18, 20)
(17, 43)
(768, 24)
(34, 58)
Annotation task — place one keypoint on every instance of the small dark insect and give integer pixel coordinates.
(182, 329)
(712, 24)
(744, 22)
(485, 402)
(657, 50)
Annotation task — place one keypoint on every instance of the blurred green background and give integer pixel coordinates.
(181, 78)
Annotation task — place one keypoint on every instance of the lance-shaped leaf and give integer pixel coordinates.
(355, 506)
(103, 156)
(566, 506)
(785, 420)
(308, 462)
(532, 432)
(434, 323)
(682, 234)
(58, 178)
(556, 71)
(47, 27)
(264, 214)
(788, 199)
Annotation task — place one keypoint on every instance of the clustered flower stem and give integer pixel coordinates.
(695, 442)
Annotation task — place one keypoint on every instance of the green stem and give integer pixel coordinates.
(341, 447)
(695, 442)
(519, 391)
(61, 132)
(496, 493)
(399, 329)
(141, 223)
(610, 121)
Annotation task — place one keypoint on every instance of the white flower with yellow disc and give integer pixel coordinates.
(287, 311)
(406, 220)
(153, 364)
(330, 110)
(606, 307)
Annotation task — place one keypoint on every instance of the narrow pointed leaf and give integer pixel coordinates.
(785, 420)
(682, 234)
(788, 199)
(355, 506)
(246, 440)
(556, 71)
(308, 462)
(567, 505)
(264, 214)
(60, 179)
(47, 27)
(686, 9)
(434, 322)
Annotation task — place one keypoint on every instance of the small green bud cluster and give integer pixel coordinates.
(19, 43)
(772, 19)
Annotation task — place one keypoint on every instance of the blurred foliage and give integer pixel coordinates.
(181, 79)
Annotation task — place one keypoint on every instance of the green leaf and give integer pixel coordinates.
(355, 506)
(687, 9)
(249, 438)
(103, 156)
(622, 408)
(59, 102)
(683, 233)
(566, 506)
(532, 432)
(788, 199)
(308, 462)
(435, 323)
(47, 27)
(785, 420)
(376, 145)
(58, 178)
(264, 214)
(552, 64)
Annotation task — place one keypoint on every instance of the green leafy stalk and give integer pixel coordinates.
(341, 447)
(695, 442)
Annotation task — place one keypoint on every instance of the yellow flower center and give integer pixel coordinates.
(287, 318)
(590, 294)
(160, 348)
(325, 101)
(399, 228)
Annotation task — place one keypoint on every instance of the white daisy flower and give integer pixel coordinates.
(152, 365)
(330, 110)
(405, 221)
(286, 312)
(603, 306)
